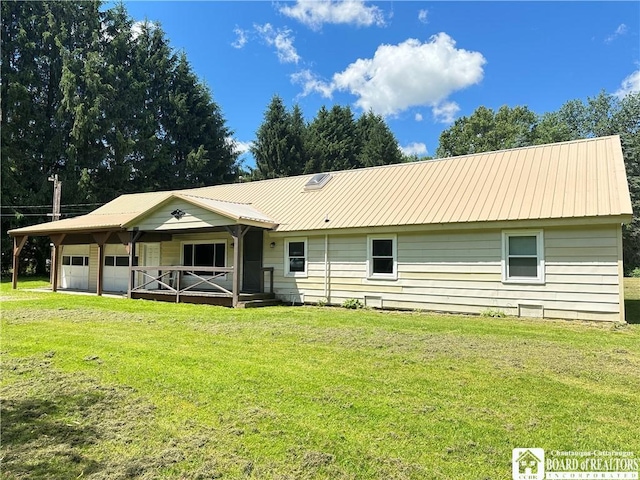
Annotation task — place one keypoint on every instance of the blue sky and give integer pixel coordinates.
(419, 64)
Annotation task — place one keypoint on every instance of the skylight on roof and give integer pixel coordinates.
(318, 181)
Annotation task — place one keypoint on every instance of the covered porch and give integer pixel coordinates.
(223, 267)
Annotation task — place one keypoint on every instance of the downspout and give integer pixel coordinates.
(326, 267)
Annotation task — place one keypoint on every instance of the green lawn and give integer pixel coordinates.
(105, 388)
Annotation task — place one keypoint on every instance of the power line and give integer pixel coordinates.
(71, 214)
(49, 206)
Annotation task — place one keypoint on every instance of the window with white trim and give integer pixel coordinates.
(204, 255)
(523, 256)
(382, 258)
(295, 257)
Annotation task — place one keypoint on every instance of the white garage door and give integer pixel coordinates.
(116, 269)
(74, 273)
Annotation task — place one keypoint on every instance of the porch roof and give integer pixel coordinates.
(109, 219)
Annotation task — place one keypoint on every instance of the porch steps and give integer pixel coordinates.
(258, 300)
(259, 303)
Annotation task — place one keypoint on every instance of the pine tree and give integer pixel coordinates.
(279, 148)
(378, 145)
(109, 110)
(333, 142)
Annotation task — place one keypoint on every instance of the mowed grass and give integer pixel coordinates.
(106, 388)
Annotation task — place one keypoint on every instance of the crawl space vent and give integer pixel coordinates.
(318, 181)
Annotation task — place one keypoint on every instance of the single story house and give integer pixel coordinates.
(532, 231)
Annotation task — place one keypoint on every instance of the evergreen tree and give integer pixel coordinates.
(279, 145)
(333, 142)
(109, 109)
(378, 145)
(34, 130)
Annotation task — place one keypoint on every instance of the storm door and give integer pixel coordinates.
(252, 261)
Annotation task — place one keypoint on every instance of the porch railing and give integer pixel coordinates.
(170, 279)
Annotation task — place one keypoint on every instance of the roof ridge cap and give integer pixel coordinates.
(178, 193)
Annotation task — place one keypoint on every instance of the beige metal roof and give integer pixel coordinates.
(583, 178)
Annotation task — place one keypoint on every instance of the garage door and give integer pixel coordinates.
(116, 269)
(74, 273)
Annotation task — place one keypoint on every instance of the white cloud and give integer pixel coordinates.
(631, 84)
(409, 74)
(415, 148)
(315, 13)
(445, 112)
(281, 39)
(311, 83)
(241, 39)
(137, 28)
(418, 117)
(621, 30)
(423, 16)
(241, 147)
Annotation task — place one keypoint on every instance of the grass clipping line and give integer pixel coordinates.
(54, 422)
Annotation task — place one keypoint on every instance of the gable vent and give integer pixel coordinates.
(318, 181)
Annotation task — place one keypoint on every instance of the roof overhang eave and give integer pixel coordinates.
(26, 231)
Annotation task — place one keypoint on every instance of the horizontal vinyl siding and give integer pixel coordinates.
(461, 272)
(194, 217)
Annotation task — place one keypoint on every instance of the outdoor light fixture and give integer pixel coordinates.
(178, 214)
(272, 244)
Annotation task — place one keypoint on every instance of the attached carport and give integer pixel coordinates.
(72, 232)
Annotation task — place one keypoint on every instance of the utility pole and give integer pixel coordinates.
(57, 193)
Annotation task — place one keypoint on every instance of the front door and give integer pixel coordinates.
(151, 258)
(252, 261)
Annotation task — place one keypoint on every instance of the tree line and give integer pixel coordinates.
(286, 145)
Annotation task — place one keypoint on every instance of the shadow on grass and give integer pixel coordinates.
(55, 425)
(632, 311)
(38, 442)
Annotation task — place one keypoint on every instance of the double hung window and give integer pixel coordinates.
(523, 256)
(295, 257)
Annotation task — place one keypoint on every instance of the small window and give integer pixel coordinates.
(66, 260)
(122, 261)
(523, 259)
(78, 261)
(296, 257)
(118, 261)
(382, 258)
